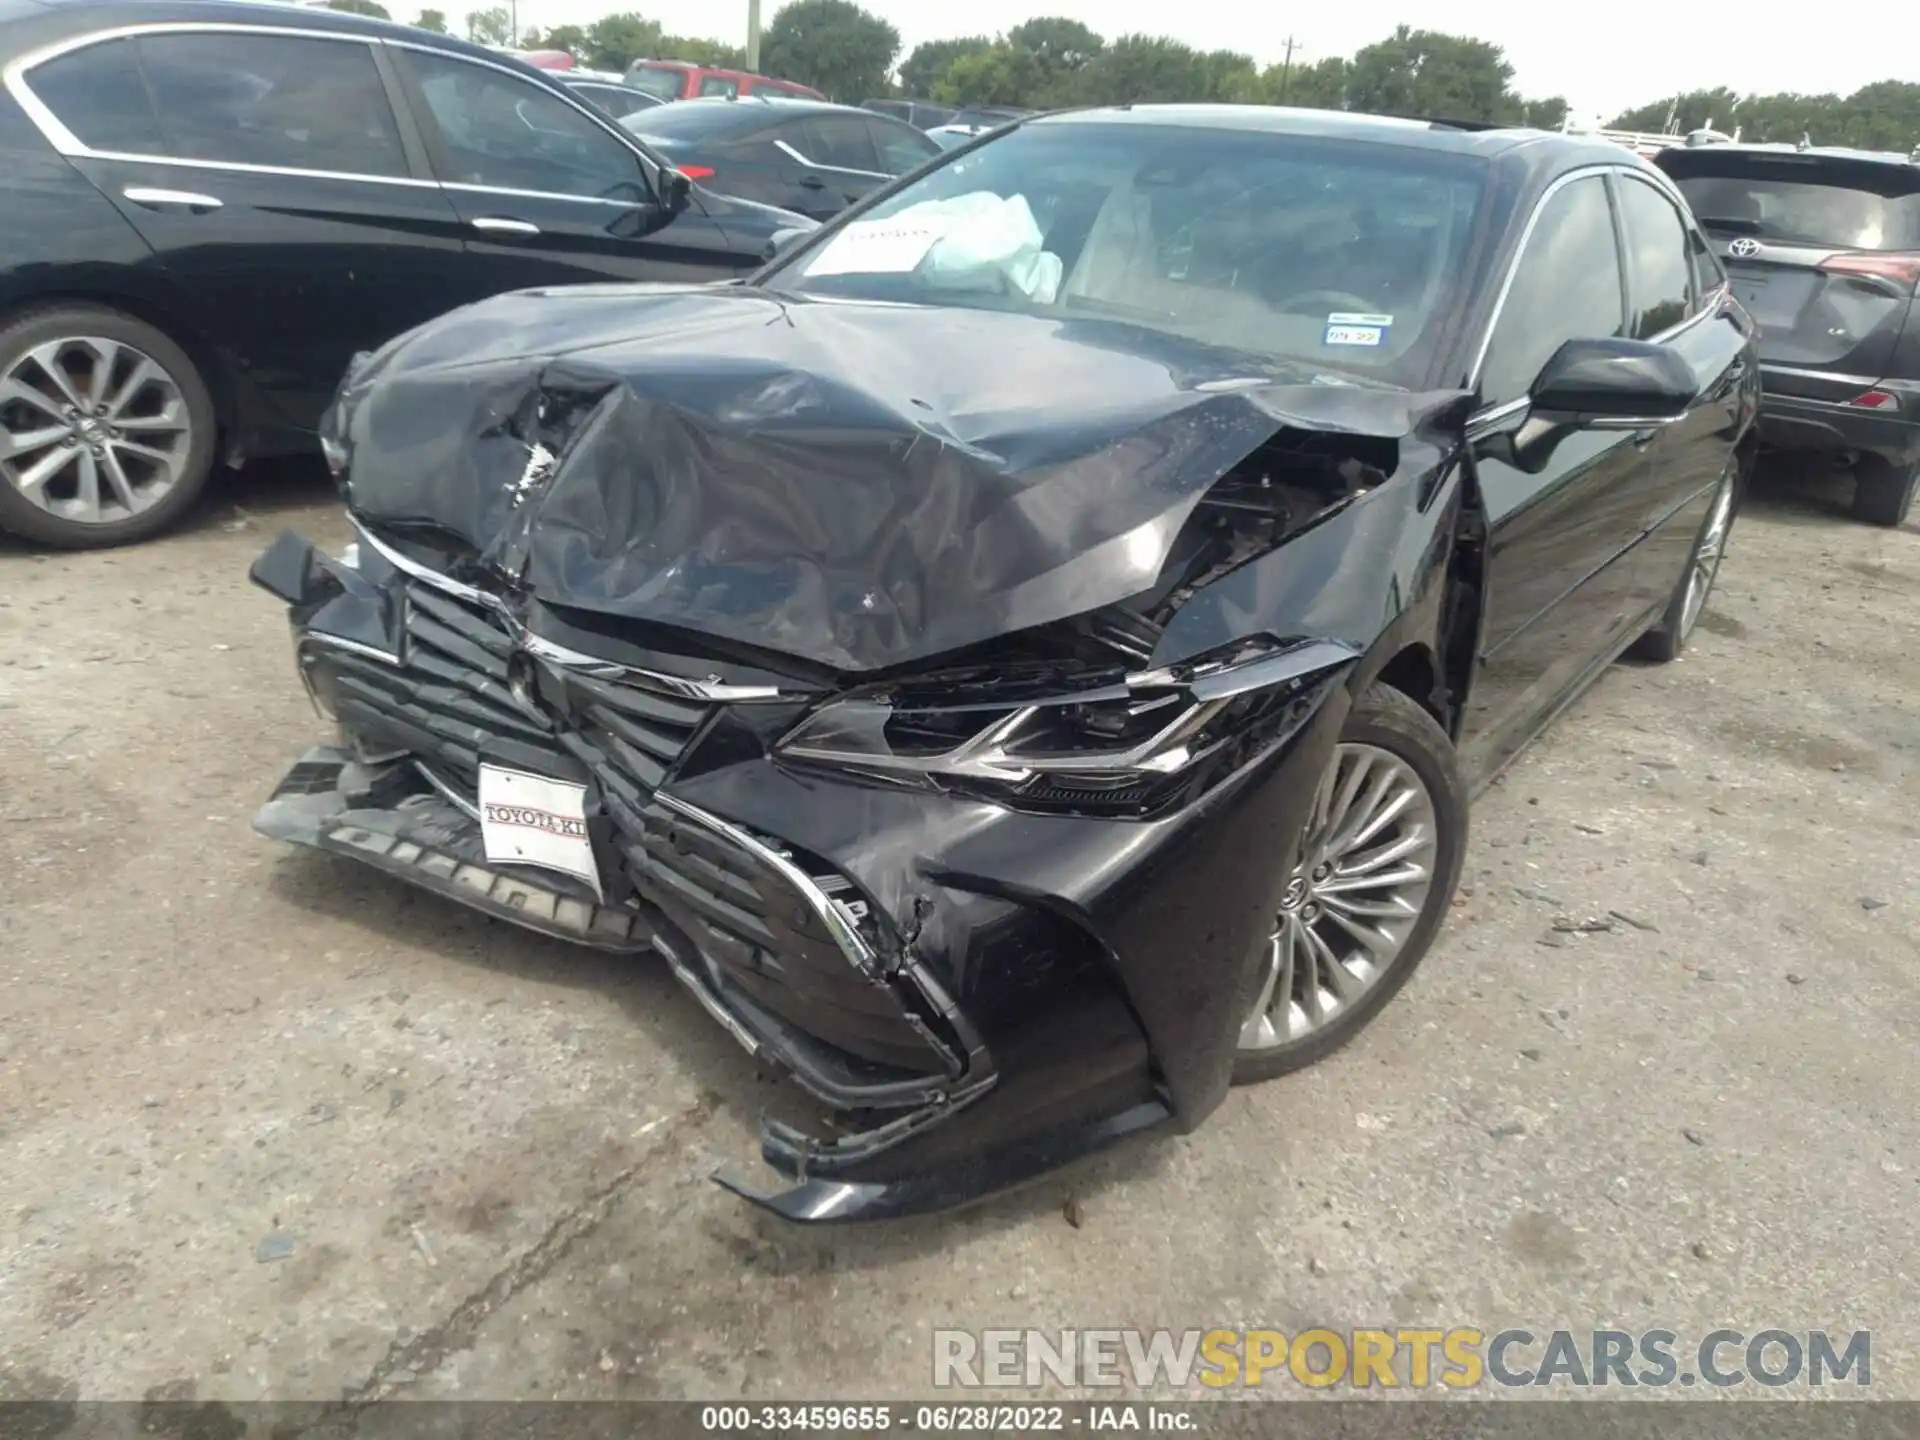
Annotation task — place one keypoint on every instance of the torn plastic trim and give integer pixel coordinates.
(814, 1199)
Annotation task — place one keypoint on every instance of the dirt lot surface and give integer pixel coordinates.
(272, 1125)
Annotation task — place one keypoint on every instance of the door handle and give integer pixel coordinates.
(812, 182)
(154, 199)
(497, 225)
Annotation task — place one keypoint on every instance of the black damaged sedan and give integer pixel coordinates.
(1023, 658)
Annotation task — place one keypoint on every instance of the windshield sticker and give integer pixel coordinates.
(878, 247)
(1351, 329)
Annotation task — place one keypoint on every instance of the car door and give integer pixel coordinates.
(836, 162)
(548, 192)
(276, 184)
(1668, 304)
(1564, 505)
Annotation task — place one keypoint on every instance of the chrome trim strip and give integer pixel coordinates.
(836, 169)
(713, 690)
(495, 225)
(708, 1001)
(1862, 381)
(447, 792)
(148, 195)
(352, 647)
(1482, 420)
(850, 940)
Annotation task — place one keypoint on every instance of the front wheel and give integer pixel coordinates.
(1378, 865)
(1689, 599)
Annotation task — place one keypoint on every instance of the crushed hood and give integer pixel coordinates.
(856, 485)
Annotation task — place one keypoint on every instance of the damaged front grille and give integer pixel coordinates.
(785, 943)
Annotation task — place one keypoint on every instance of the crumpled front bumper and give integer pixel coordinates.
(978, 995)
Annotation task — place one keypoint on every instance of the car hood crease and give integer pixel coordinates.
(859, 486)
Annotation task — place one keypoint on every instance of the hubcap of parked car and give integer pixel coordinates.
(1706, 557)
(1365, 871)
(92, 430)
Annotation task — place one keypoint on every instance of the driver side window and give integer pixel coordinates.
(1565, 287)
(501, 132)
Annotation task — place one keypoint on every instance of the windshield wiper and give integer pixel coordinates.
(1729, 225)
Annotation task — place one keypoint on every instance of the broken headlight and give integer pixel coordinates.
(1132, 745)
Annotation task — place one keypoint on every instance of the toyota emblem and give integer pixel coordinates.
(1743, 248)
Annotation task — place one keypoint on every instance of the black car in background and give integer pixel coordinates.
(1025, 688)
(609, 93)
(1823, 246)
(806, 156)
(210, 208)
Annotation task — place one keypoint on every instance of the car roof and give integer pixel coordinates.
(1538, 153)
(28, 24)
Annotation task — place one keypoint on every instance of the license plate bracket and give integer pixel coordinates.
(529, 819)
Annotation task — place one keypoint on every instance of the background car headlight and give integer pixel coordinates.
(1132, 745)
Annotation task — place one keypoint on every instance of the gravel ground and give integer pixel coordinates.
(273, 1126)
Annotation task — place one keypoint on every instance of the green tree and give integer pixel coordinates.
(1144, 69)
(1426, 74)
(433, 20)
(1319, 86)
(570, 38)
(492, 26)
(927, 66)
(699, 50)
(998, 75)
(832, 45)
(360, 7)
(616, 41)
(1062, 50)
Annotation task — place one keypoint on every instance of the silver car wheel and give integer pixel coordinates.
(92, 430)
(1706, 556)
(1352, 903)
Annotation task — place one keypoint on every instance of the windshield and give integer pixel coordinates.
(1786, 200)
(1340, 253)
(665, 81)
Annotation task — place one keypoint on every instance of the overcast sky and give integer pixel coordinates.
(1601, 57)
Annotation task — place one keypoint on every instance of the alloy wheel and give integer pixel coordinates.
(1364, 876)
(1706, 557)
(92, 430)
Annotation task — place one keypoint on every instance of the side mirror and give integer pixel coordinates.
(676, 190)
(784, 239)
(1609, 383)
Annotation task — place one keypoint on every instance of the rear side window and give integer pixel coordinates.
(1566, 286)
(263, 99)
(1659, 264)
(1859, 206)
(840, 141)
(98, 95)
(719, 85)
(902, 148)
(1707, 275)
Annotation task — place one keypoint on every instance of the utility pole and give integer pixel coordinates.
(513, 23)
(1286, 68)
(753, 36)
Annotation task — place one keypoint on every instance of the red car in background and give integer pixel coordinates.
(683, 80)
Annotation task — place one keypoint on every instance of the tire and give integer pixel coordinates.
(1882, 494)
(1665, 641)
(61, 354)
(1383, 722)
